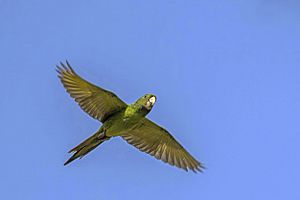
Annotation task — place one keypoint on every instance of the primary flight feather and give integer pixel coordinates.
(126, 121)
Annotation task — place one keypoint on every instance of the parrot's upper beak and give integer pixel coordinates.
(152, 100)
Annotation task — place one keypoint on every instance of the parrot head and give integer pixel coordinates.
(147, 101)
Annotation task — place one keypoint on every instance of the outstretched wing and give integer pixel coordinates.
(97, 102)
(158, 142)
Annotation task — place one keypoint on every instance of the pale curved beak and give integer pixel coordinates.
(152, 100)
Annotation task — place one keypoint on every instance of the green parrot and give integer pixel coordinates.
(127, 121)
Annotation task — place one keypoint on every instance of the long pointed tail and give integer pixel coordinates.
(86, 146)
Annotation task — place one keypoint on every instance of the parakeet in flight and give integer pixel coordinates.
(127, 121)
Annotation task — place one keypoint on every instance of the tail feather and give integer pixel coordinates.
(86, 146)
(90, 140)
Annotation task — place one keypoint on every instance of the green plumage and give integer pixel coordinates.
(126, 121)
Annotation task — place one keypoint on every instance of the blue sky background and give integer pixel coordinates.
(227, 78)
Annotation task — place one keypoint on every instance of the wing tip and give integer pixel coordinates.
(199, 168)
(64, 68)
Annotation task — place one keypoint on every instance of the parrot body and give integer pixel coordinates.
(126, 121)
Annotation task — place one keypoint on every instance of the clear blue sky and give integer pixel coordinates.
(227, 78)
